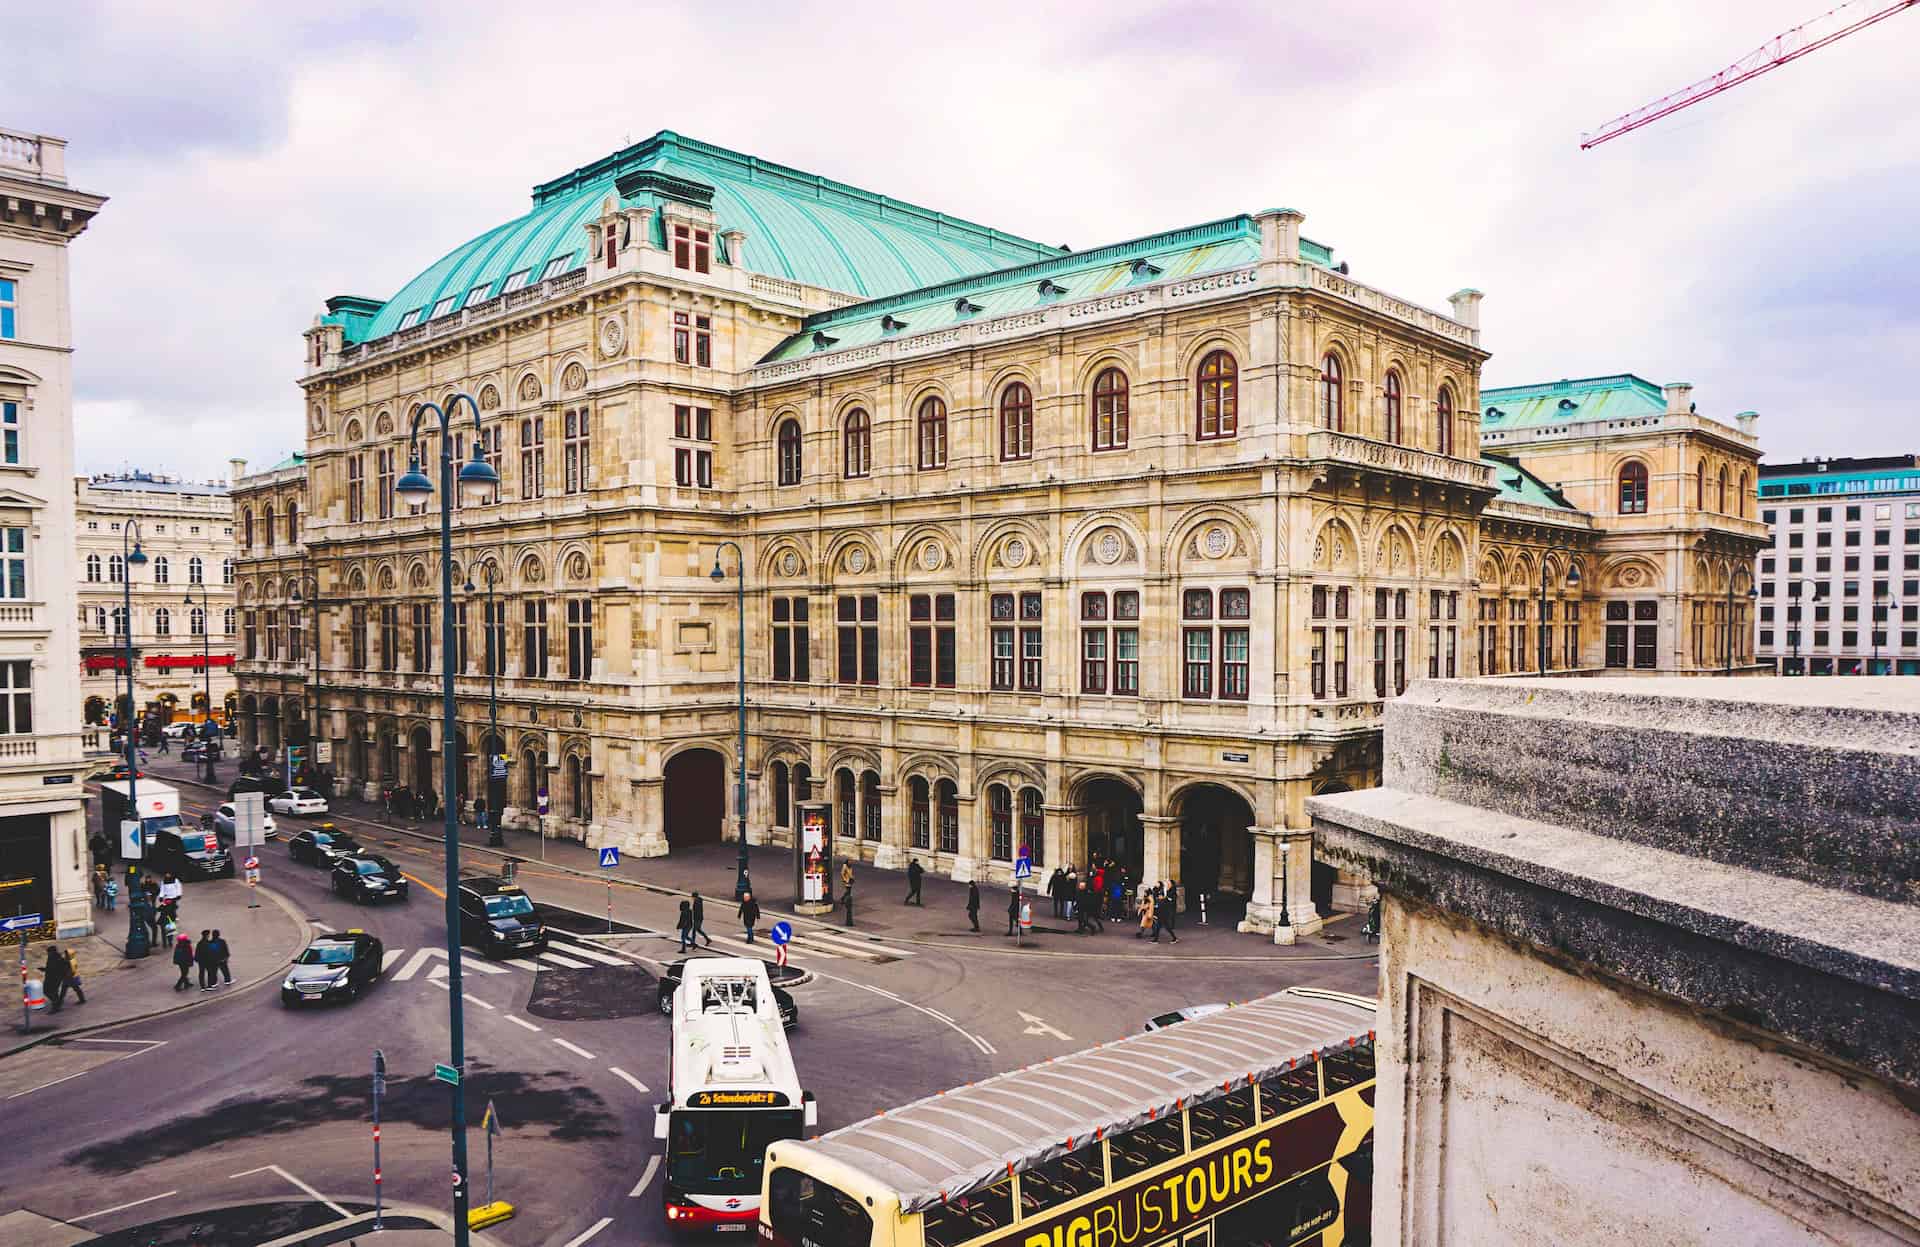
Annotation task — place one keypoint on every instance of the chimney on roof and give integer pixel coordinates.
(1466, 306)
(1679, 396)
(236, 468)
(1280, 234)
(1746, 420)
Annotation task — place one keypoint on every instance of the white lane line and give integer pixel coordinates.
(151, 1043)
(441, 984)
(568, 962)
(56, 1082)
(970, 1037)
(856, 947)
(524, 964)
(414, 964)
(943, 1017)
(470, 998)
(630, 1080)
(312, 1194)
(646, 1176)
(576, 1049)
(578, 950)
(598, 1226)
(318, 925)
(392, 955)
(520, 1022)
(101, 1212)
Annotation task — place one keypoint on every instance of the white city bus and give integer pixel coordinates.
(734, 1092)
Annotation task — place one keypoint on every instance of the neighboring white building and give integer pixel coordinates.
(43, 752)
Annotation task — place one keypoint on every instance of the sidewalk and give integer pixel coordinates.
(877, 893)
(118, 990)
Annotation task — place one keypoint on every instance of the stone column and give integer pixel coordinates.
(1065, 835)
(1161, 848)
(647, 836)
(1303, 919)
(891, 852)
(1263, 914)
(970, 863)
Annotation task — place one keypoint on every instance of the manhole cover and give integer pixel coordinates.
(593, 994)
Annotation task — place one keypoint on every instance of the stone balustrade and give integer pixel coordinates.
(1361, 452)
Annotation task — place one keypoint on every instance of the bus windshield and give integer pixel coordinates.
(721, 1151)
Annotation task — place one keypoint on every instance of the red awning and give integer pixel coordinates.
(191, 662)
(106, 662)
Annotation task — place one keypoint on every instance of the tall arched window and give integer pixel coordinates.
(293, 518)
(1033, 825)
(1218, 400)
(1721, 505)
(116, 569)
(933, 434)
(580, 788)
(196, 570)
(163, 622)
(1110, 410)
(197, 622)
(948, 800)
(1392, 402)
(93, 568)
(921, 810)
(1000, 819)
(782, 795)
(1744, 492)
(246, 530)
(1016, 422)
(1332, 407)
(857, 444)
(1443, 416)
(226, 571)
(162, 570)
(871, 806)
(1633, 488)
(789, 439)
(843, 801)
(1700, 487)
(266, 524)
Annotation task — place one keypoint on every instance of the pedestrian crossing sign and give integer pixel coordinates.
(1023, 867)
(610, 856)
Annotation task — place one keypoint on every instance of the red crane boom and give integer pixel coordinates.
(1810, 36)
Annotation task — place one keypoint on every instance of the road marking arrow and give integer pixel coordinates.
(1037, 1027)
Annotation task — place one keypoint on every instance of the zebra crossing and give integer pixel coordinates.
(563, 952)
(807, 943)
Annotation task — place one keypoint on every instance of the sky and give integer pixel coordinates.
(262, 157)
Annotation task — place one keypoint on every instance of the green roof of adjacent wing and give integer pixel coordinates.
(1620, 397)
(1171, 256)
(799, 226)
(1519, 485)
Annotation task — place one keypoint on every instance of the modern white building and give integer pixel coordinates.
(43, 746)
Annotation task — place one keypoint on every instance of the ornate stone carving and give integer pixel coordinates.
(1216, 542)
(573, 379)
(1013, 553)
(613, 337)
(1108, 547)
(856, 559)
(489, 399)
(529, 389)
(932, 556)
(790, 563)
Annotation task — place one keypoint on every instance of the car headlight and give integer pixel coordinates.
(288, 984)
(340, 978)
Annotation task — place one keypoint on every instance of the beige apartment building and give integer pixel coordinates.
(183, 621)
(1115, 551)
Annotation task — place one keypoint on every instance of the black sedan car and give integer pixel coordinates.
(670, 982)
(324, 845)
(333, 967)
(368, 877)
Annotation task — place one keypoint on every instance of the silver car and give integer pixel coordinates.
(223, 823)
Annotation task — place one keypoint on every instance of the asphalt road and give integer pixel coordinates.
(253, 1102)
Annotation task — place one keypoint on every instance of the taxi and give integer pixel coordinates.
(367, 878)
(334, 967)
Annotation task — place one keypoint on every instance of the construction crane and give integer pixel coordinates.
(1811, 36)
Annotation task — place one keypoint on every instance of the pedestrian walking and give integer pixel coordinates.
(749, 913)
(1053, 890)
(846, 893)
(1146, 918)
(150, 887)
(1173, 903)
(973, 904)
(914, 873)
(183, 958)
(1082, 915)
(1013, 911)
(222, 954)
(110, 893)
(62, 974)
(203, 958)
(700, 921)
(1162, 920)
(846, 874)
(686, 926)
(1071, 886)
(166, 744)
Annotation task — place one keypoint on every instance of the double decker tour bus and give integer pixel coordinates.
(734, 1092)
(1251, 1127)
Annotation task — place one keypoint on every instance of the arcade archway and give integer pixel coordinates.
(694, 802)
(1216, 847)
(1112, 809)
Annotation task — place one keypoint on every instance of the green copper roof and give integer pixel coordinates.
(1617, 397)
(1519, 485)
(798, 226)
(1175, 254)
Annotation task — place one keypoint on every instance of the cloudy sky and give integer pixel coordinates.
(263, 157)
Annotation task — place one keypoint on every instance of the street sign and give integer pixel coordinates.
(252, 863)
(1023, 867)
(497, 768)
(323, 752)
(781, 933)
(447, 1074)
(132, 845)
(249, 819)
(609, 856)
(20, 922)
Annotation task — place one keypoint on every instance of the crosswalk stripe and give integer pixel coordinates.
(558, 960)
(523, 963)
(393, 955)
(854, 944)
(579, 950)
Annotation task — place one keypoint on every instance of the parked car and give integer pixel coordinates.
(223, 816)
(189, 854)
(179, 731)
(368, 878)
(304, 802)
(1187, 1014)
(325, 845)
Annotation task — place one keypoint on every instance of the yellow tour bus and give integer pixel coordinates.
(1251, 1127)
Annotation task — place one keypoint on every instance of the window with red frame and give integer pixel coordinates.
(612, 252)
(1443, 417)
(692, 248)
(1332, 405)
(932, 429)
(1218, 398)
(703, 341)
(857, 444)
(1016, 422)
(1110, 417)
(789, 440)
(1633, 489)
(1392, 402)
(682, 338)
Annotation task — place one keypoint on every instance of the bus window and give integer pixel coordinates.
(803, 1209)
(1143, 1147)
(721, 1151)
(1058, 1181)
(1295, 1213)
(1216, 1119)
(1283, 1093)
(966, 1217)
(1344, 1069)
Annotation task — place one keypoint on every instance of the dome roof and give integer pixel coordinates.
(799, 226)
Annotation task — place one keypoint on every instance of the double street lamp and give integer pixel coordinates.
(1752, 593)
(494, 835)
(1573, 582)
(740, 784)
(130, 559)
(207, 729)
(1793, 617)
(477, 480)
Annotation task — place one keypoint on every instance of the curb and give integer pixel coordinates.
(286, 907)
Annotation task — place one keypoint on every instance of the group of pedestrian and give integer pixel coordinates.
(402, 802)
(211, 955)
(60, 976)
(1107, 892)
(693, 922)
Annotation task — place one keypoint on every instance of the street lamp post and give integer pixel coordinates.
(1752, 593)
(130, 559)
(740, 784)
(1883, 608)
(476, 479)
(1573, 582)
(1793, 617)
(493, 712)
(206, 672)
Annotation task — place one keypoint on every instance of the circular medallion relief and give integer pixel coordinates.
(613, 336)
(1216, 543)
(1108, 548)
(790, 564)
(1014, 553)
(857, 559)
(931, 557)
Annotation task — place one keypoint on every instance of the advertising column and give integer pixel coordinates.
(813, 859)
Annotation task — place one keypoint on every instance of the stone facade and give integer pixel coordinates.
(44, 747)
(273, 600)
(1011, 576)
(1638, 978)
(184, 626)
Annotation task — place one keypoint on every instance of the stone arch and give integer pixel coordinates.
(1493, 568)
(1520, 573)
(573, 376)
(357, 581)
(1630, 572)
(352, 433)
(489, 397)
(1214, 339)
(770, 428)
(1106, 543)
(1015, 774)
(528, 388)
(576, 567)
(930, 766)
(1014, 547)
(1215, 851)
(417, 576)
(911, 557)
(783, 558)
(1447, 556)
(1336, 548)
(1395, 551)
(1195, 543)
(383, 424)
(385, 580)
(852, 758)
(694, 795)
(529, 569)
(1098, 362)
(852, 554)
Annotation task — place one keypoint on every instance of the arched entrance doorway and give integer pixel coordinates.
(1216, 849)
(389, 758)
(1325, 874)
(1112, 811)
(694, 803)
(420, 755)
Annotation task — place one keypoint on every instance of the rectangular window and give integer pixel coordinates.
(1000, 638)
(10, 433)
(533, 638)
(1197, 677)
(9, 308)
(13, 563)
(1030, 643)
(703, 341)
(1340, 662)
(460, 647)
(1399, 661)
(389, 638)
(857, 639)
(515, 280)
(16, 695)
(357, 638)
(578, 450)
(1380, 663)
(790, 648)
(296, 634)
(1319, 661)
(533, 457)
(1433, 653)
(1235, 663)
(692, 248)
(1093, 660)
(930, 641)
(682, 466)
(250, 621)
(382, 485)
(682, 339)
(580, 638)
(495, 614)
(422, 637)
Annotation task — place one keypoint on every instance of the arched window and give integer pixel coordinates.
(162, 570)
(948, 799)
(1392, 401)
(1033, 825)
(782, 795)
(871, 805)
(246, 530)
(1743, 495)
(116, 569)
(163, 622)
(580, 788)
(266, 524)
(857, 444)
(844, 802)
(1000, 819)
(1721, 506)
(789, 441)
(1332, 406)
(1700, 487)
(196, 570)
(226, 571)
(932, 434)
(93, 568)
(1218, 400)
(197, 622)
(922, 813)
(1633, 488)
(1443, 416)
(1016, 422)
(119, 621)
(1110, 410)
(226, 622)
(293, 519)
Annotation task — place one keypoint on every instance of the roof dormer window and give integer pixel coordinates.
(410, 319)
(692, 248)
(556, 266)
(441, 308)
(515, 280)
(478, 294)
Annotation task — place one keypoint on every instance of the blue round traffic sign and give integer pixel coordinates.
(781, 932)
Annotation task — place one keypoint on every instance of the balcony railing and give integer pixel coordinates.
(1364, 453)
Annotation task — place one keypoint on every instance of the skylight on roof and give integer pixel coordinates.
(478, 294)
(407, 321)
(441, 308)
(515, 280)
(556, 266)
